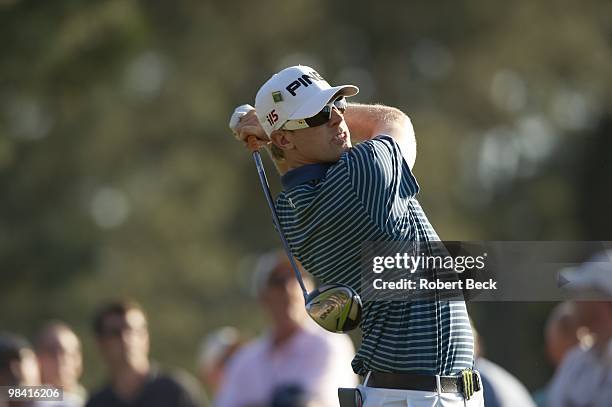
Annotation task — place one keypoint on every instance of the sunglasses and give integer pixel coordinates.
(318, 119)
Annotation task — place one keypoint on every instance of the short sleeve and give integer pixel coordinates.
(381, 177)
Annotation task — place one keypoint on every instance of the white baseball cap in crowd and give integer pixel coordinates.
(295, 93)
(594, 275)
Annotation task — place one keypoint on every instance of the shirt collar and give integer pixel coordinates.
(303, 174)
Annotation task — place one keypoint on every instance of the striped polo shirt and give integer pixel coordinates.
(328, 210)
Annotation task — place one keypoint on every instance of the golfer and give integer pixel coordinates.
(347, 178)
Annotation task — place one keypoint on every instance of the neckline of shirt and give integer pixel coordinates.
(303, 174)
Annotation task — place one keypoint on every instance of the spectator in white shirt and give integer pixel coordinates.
(585, 375)
(295, 356)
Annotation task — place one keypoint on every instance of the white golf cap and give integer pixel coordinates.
(593, 275)
(297, 92)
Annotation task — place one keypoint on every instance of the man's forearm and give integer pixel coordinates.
(368, 121)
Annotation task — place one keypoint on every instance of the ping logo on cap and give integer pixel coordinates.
(304, 80)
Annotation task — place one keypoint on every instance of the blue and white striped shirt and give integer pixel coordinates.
(328, 210)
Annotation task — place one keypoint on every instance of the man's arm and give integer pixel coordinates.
(368, 121)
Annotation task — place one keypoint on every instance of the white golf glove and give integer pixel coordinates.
(238, 113)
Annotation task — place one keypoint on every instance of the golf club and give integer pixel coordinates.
(335, 307)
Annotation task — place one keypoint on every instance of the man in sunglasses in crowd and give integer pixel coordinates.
(347, 179)
(123, 339)
(293, 360)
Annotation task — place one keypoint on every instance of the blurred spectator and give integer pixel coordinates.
(18, 365)
(123, 339)
(296, 362)
(58, 350)
(561, 332)
(215, 352)
(501, 388)
(561, 335)
(584, 378)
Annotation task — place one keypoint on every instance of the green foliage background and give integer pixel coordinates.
(119, 177)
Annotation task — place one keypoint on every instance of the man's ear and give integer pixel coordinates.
(282, 139)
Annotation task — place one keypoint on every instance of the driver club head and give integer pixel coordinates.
(335, 307)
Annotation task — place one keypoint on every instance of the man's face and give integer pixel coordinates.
(282, 297)
(125, 339)
(324, 143)
(60, 358)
